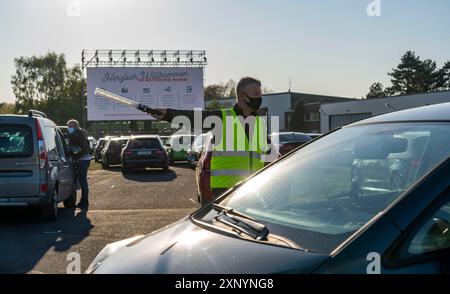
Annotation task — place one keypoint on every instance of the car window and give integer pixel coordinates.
(321, 194)
(184, 141)
(434, 234)
(114, 145)
(101, 143)
(145, 143)
(199, 141)
(49, 137)
(64, 142)
(59, 144)
(15, 141)
(286, 138)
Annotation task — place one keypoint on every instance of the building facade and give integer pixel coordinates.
(295, 111)
(338, 114)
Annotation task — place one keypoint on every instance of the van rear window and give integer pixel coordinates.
(145, 143)
(15, 141)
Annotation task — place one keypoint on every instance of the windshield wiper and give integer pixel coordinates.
(260, 231)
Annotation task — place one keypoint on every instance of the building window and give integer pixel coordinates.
(311, 116)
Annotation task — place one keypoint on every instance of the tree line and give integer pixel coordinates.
(48, 84)
(413, 75)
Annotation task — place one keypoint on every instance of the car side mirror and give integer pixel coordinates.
(439, 227)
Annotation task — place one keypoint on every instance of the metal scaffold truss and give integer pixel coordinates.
(161, 58)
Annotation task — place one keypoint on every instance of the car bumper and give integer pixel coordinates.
(179, 155)
(145, 163)
(22, 201)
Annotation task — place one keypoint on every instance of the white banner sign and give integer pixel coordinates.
(162, 87)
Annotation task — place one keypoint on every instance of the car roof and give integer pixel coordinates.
(27, 117)
(144, 137)
(435, 112)
(119, 138)
(287, 133)
(176, 136)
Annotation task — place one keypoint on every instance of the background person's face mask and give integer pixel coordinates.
(71, 130)
(253, 103)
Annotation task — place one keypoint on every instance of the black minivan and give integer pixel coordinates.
(35, 167)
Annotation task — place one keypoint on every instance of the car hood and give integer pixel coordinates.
(186, 248)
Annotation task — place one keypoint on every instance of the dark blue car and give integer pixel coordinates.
(309, 212)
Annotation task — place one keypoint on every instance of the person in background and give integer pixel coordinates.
(228, 167)
(79, 149)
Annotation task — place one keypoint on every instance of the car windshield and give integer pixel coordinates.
(286, 138)
(324, 192)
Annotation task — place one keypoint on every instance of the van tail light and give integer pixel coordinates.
(43, 155)
(159, 152)
(44, 188)
(127, 152)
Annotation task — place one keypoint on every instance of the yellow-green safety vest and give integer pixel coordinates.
(232, 162)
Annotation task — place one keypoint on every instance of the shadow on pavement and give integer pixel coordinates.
(25, 239)
(150, 175)
(181, 164)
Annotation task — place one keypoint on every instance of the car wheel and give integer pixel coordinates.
(49, 211)
(165, 168)
(171, 162)
(71, 202)
(104, 165)
(125, 169)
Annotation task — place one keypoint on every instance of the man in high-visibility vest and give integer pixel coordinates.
(238, 149)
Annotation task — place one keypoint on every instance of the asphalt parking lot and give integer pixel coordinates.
(120, 207)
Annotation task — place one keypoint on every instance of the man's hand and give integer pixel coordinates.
(163, 112)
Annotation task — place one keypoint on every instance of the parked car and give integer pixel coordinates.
(393, 172)
(36, 170)
(165, 140)
(313, 135)
(203, 172)
(111, 153)
(287, 141)
(302, 214)
(144, 151)
(92, 144)
(178, 146)
(99, 147)
(194, 152)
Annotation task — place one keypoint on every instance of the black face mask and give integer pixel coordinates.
(254, 103)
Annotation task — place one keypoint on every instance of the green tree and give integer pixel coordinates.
(444, 77)
(376, 90)
(215, 91)
(46, 83)
(220, 90)
(412, 75)
(214, 105)
(7, 108)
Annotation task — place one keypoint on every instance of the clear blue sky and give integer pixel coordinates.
(327, 46)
